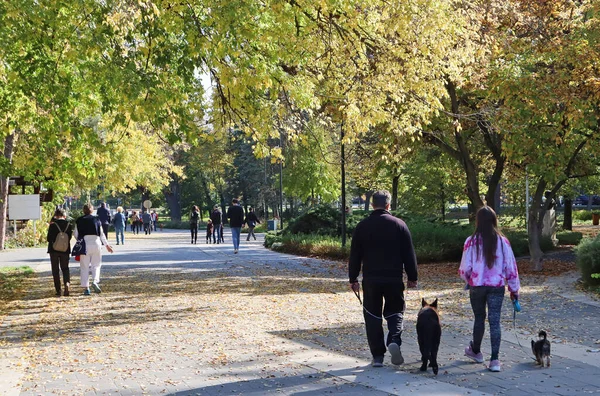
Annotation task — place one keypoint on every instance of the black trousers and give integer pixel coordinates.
(60, 262)
(194, 230)
(105, 230)
(386, 297)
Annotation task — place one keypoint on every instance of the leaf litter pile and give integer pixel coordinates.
(158, 331)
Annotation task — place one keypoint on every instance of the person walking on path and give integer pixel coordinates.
(104, 215)
(90, 229)
(235, 214)
(119, 223)
(217, 219)
(194, 216)
(251, 220)
(488, 263)
(134, 219)
(147, 220)
(382, 247)
(59, 259)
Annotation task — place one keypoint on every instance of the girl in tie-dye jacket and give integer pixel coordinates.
(488, 264)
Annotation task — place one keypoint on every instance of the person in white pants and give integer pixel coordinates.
(90, 228)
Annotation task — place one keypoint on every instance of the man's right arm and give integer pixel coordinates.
(355, 262)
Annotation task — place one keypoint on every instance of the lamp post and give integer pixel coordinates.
(343, 169)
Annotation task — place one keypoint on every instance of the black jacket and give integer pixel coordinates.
(88, 225)
(216, 217)
(235, 214)
(104, 215)
(383, 248)
(251, 219)
(53, 231)
(194, 217)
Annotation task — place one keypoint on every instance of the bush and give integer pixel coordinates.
(569, 237)
(583, 215)
(176, 225)
(272, 237)
(438, 241)
(519, 241)
(320, 220)
(588, 260)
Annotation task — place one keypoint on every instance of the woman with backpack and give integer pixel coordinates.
(89, 228)
(59, 248)
(488, 264)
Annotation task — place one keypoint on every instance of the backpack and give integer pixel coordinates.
(61, 242)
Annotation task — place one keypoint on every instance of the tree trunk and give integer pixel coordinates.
(172, 196)
(209, 200)
(568, 220)
(395, 181)
(443, 201)
(534, 226)
(9, 149)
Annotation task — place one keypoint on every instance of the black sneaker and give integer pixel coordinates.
(377, 361)
(394, 349)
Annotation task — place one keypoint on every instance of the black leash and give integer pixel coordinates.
(357, 294)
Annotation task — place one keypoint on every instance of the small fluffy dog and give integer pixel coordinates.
(541, 349)
(429, 333)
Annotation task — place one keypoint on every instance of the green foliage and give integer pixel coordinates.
(319, 220)
(519, 242)
(588, 260)
(272, 237)
(583, 215)
(438, 241)
(569, 237)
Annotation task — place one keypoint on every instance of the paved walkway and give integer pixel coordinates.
(181, 319)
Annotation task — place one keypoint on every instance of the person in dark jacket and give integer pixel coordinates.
(382, 248)
(235, 214)
(147, 221)
(194, 217)
(251, 220)
(217, 218)
(60, 260)
(103, 215)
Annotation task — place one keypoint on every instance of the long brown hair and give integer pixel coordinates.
(487, 233)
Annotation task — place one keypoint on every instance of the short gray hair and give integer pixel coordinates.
(381, 199)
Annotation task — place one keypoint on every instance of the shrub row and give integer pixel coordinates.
(433, 242)
(588, 260)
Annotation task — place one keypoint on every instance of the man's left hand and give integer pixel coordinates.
(412, 284)
(355, 286)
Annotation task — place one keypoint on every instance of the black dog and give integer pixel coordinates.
(541, 349)
(429, 333)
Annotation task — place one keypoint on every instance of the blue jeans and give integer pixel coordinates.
(235, 236)
(120, 232)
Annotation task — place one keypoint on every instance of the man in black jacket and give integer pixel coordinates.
(382, 247)
(235, 214)
(104, 215)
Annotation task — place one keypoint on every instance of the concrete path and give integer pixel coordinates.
(182, 319)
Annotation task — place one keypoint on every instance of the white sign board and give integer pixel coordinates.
(24, 207)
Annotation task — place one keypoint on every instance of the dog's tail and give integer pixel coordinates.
(542, 334)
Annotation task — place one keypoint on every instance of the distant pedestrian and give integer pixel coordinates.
(217, 219)
(59, 248)
(382, 247)
(104, 216)
(488, 263)
(194, 217)
(134, 220)
(90, 229)
(154, 220)
(209, 231)
(251, 220)
(235, 214)
(147, 220)
(119, 223)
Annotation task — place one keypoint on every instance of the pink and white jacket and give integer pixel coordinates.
(476, 273)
